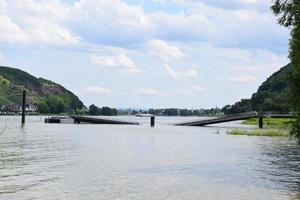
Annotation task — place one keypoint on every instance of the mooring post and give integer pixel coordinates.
(152, 121)
(261, 121)
(23, 107)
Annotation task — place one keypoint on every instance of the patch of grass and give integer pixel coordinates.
(273, 123)
(261, 132)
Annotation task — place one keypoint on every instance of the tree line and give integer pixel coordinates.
(288, 13)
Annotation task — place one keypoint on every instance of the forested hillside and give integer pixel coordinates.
(48, 96)
(272, 95)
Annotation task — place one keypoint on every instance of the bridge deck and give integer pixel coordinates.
(92, 120)
(89, 120)
(234, 117)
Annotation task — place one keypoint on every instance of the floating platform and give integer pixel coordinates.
(87, 120)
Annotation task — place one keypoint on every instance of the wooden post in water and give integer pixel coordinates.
(261, 121)
(152, 121)
(23, 107)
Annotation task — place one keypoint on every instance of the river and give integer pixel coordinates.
(111, 162)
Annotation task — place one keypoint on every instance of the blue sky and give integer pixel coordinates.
(146, 53)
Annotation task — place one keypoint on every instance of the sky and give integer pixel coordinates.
(146, 53)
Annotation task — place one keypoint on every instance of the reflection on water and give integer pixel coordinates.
(66, 161)
(296, 197)
(283, 160)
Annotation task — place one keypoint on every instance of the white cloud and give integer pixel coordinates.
(193, 90)
(228, 4)
(176, 74)
(35, 22)
(243, 78)
(117, 23)
(232, 39)
(109, 22)
(150, 92)
(98, 90)
(197, 88)
(164, 50)
(120, 61)
(10, 32)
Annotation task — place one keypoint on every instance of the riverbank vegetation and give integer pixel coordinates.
(261, 132)
(272, 95)
(288, 13)
(42, 96)
(273, 123)
(273, 127)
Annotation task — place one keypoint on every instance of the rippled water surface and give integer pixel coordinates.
(88, 162)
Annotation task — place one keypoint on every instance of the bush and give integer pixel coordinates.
(43, 108)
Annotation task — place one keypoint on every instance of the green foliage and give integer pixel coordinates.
(185, 112)
(43, 108)
(114, 112)
(260, 132)
(14, 81)
(279, 123)
(272, 95)
(106, 111)
(171, 112)
(240, 107)
(56, 105)
(94, 110)
(288, 13)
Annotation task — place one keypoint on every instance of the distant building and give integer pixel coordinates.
(30, 107)
(10, 108)
(18, 108)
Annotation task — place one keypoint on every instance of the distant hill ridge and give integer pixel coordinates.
(39, 91)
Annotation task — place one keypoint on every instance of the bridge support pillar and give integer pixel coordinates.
(23, 107)
(261, 122)
(152, 121)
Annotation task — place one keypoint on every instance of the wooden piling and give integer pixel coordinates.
(23, 107)
(152, 121)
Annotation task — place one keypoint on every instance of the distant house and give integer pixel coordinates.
(17, 108)
(29, 108)
(10, 108)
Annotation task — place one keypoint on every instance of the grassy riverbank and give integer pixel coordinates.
(272, 123)
(261, 132)
(273, 127)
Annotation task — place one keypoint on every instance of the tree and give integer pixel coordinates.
(114, 112)
(56, 105)
(171, 112)
(185, 112)
(106, 111)
(94, 110)
(288, 13)
(43, 108)
(226, 109)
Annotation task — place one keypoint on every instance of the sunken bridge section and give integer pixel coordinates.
(235, 117)
(87, 120)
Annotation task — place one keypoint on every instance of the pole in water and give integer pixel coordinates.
(152, 121)
(261, 122)
(23, 107)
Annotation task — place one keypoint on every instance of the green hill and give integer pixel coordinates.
(49, 96)
(272, 95)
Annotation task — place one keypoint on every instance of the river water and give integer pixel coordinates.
(109, 162)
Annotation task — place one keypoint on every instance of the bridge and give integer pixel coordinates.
(87, 120)
(237, 117)
(92, 120)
